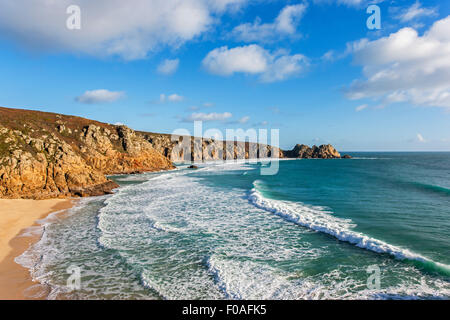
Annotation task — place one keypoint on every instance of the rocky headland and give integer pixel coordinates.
(48, 155)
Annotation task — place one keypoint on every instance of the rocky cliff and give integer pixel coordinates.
(187, 148)
(174, 147)
(46, 155)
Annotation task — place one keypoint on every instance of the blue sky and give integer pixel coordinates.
(311, 69)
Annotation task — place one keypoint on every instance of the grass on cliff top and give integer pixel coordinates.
(37, 124)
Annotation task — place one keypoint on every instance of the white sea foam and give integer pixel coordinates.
(184, 239)
(322, 221)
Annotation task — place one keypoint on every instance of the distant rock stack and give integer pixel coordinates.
(303, 151)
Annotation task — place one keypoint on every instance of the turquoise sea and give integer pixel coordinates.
(316, 230)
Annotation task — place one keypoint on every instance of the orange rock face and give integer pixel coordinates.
(45, 155)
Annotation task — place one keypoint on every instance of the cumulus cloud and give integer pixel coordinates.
(99, 96)
(285, 24)
(247, 59)
(170, 98)
(128, 29)
(416, 11)
(253, 59)
(213, 116)
(168, 67)
(406, 67)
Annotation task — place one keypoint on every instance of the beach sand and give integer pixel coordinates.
(15, 216)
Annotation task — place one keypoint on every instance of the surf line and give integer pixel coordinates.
(193, 310)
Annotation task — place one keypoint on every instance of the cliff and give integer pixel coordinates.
(209, 149)
(174, 147)
(48, 155)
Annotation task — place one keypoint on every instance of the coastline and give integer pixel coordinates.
(15, 216)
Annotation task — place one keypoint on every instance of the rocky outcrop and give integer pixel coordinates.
(303, 151)
(187, 148)
(45, 155)
(174, 147)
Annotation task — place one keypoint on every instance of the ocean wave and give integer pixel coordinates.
(249, 280)
(243, 280)
(322, 221)
(431, 188)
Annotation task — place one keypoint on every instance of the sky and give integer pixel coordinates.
(311, 69)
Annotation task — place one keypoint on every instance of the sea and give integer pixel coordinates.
(373, 227)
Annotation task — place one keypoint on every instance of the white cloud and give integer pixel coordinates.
(406, 67)
(99, 96)
(213, 116)
(128, 29)
(349, 3)
(168, 67)
(253, 59)
(248, 59)
(285, 24)
(284, 67)
(175, 98)
(420, 138)
(416, 11)
(330, 55)
(170, 98)
(244, 119)
(361, 107)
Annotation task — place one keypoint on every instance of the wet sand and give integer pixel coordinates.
(15, 216)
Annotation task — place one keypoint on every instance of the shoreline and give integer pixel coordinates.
(16, 216)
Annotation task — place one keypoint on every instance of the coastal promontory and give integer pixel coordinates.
(47, 155)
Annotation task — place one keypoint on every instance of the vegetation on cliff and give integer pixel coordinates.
(47, 155)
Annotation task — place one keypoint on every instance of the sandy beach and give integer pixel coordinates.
(15, 216)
